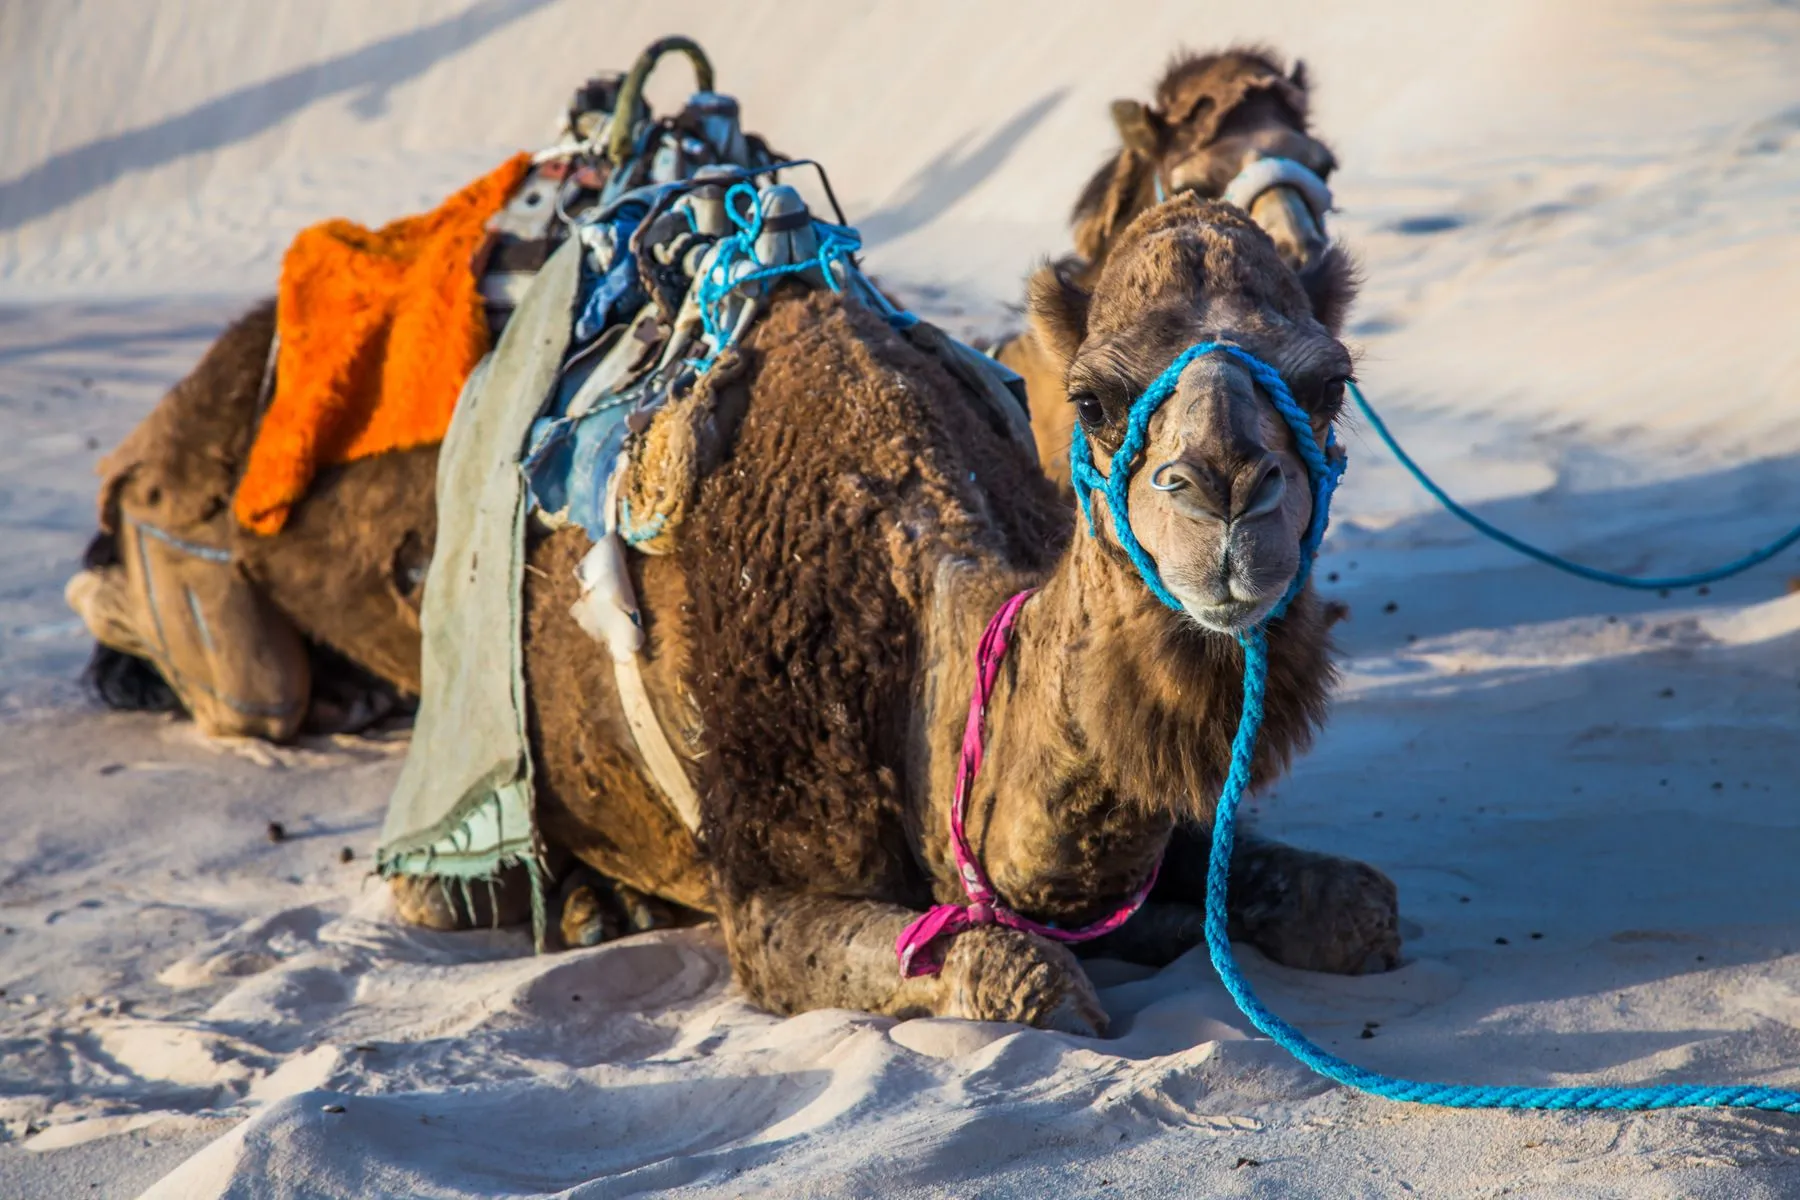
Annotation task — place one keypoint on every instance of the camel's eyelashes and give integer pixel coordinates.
(1090, 410)
(1328, 399)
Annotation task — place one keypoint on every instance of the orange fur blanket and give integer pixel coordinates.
(379, 329)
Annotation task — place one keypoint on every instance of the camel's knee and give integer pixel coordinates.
(238, 665)
(440, 902)
(1317, 912)
(996, 974)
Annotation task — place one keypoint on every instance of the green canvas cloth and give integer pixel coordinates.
(462, 808)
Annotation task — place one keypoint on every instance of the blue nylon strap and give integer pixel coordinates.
(1325, 466)
(1644, 584)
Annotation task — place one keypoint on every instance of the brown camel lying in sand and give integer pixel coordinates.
(824, 664)
(1213, 116)
(814, 672)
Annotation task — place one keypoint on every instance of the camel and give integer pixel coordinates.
(1213, 118)
(814, 636)
(810, 645)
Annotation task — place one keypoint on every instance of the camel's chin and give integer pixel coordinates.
(1232, 619)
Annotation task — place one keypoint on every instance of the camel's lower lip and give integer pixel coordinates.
(1233, 618)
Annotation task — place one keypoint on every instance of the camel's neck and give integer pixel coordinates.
(1111, 720)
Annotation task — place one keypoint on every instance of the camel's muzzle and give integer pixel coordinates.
(1289, 201)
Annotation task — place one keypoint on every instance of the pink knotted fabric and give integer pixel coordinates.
(915, 945)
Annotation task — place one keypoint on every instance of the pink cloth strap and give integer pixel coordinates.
(915, 947)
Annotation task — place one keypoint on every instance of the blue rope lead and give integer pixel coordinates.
(1667, 583)
(1325, 467)
(1449, 1095)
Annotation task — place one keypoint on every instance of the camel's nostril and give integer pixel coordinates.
(1168, 478)
(1193, 489)
(1265, 487)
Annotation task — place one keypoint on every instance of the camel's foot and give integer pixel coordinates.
(439, 903)
(996, 974)
(1316, 912)
(594, 909)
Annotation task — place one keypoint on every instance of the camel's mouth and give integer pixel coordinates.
(1287, 217)
(1231, 618)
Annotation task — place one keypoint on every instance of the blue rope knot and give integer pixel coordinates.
(1325, 467)
(837, 243)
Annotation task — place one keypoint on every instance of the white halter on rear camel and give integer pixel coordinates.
(1266, 173)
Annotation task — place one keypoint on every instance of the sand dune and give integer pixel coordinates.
(1580, 227)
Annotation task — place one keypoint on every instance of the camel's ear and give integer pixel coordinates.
(1297, 76)
(1137, 127)
(1059, 312)
(1330, 285)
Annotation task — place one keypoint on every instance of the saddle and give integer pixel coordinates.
(623, 274)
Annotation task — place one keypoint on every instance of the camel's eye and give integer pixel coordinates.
(1331, 396)
(1090, 410)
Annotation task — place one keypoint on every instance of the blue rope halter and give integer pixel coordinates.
(1325, 468)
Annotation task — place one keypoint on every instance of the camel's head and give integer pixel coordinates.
(1219, 497)
(1216, 118)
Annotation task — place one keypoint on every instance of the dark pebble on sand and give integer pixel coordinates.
(346, 855)
(1717, 786)
(1667, 693)
(1501, 942)
(1366, 1034)
(1537, 937)
(277, 831)
(1332, 578)
(1390, 607)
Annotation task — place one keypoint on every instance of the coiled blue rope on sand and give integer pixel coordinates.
(1651, 584)
(1325, 466)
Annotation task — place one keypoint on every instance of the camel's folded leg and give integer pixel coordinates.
(793, 953)
(436, 902)
(238, 665)
(1317, 912)
(594, 909)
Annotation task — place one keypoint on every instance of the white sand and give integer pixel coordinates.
(1579, 227)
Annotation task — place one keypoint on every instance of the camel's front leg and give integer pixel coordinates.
(1317, 912)
(795, 952)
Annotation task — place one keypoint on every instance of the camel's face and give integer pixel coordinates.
(1259, 128)
(1220, 497)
